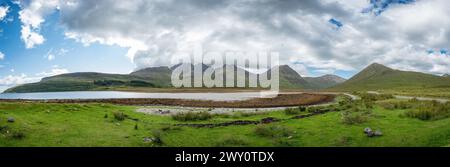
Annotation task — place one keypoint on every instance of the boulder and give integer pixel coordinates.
(378, 133)
(367, 130)
(370, 134)
(11, 119)
(147, 140)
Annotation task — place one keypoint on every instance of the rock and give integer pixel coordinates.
(367, 130)
(378, 133)
(268, 120)
(148, 140)
(370, 134)
(11, 119)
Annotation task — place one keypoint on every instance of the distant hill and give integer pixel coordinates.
(377, 76)
(159, 77)
(82, 81)
(446, 75)
(324, 81)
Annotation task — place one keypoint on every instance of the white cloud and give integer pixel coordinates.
(54, 71)
(50, 57)
(31, 16)
(3, 11)
(298, 30)
(2, 56)
(52, 54)
(13, 80)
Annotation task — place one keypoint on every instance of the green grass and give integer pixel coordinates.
(45, 124)
(377, 77)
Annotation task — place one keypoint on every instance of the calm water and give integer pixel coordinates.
(118, 95)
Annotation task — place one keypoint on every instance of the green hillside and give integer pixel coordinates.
(158, 77)
(290, 79)
(324, 81)
(380, 77)
(84, 81)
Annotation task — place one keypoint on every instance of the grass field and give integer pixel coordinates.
(47, 124)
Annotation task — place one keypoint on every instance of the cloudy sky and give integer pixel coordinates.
(40, 38)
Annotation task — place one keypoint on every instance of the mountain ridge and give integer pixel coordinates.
(377, 76)
(159, 77)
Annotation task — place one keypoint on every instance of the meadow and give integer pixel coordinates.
(339, 125)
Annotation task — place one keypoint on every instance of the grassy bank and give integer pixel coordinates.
(47, 124)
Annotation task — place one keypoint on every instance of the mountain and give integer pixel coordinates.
(446, 75)
(160, 77)
(377, 76)
(81, 81)
(289, 78)
(324, 81)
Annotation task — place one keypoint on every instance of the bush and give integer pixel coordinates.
(192, 116)
(120, 116)
(374, 97)
(292, 111)
(273, 131)
(302, 108)
(430, 111)
(354, 117)
(318, 109)
(18, 135)
(358, 113)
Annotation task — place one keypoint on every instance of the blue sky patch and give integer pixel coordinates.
(336, 23)
(379, 6)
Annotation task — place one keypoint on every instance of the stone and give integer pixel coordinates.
(147, 140)
(367, 130)
(378, 133)
(370, 134)
(11, 119)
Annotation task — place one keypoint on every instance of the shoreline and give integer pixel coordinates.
(282, 100)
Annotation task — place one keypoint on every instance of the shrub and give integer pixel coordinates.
(318, 109)
(301, 108)
(192, 116)
(354, 117)
(430, 111)
(273, 131)
(120, 116)
(157, 137)
(18, 135)
(358, 113)
(374, 97)
(388, 106)
(292, 111)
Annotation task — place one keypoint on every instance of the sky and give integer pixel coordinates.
(40, 38)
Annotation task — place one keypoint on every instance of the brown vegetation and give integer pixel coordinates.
(279, 101)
